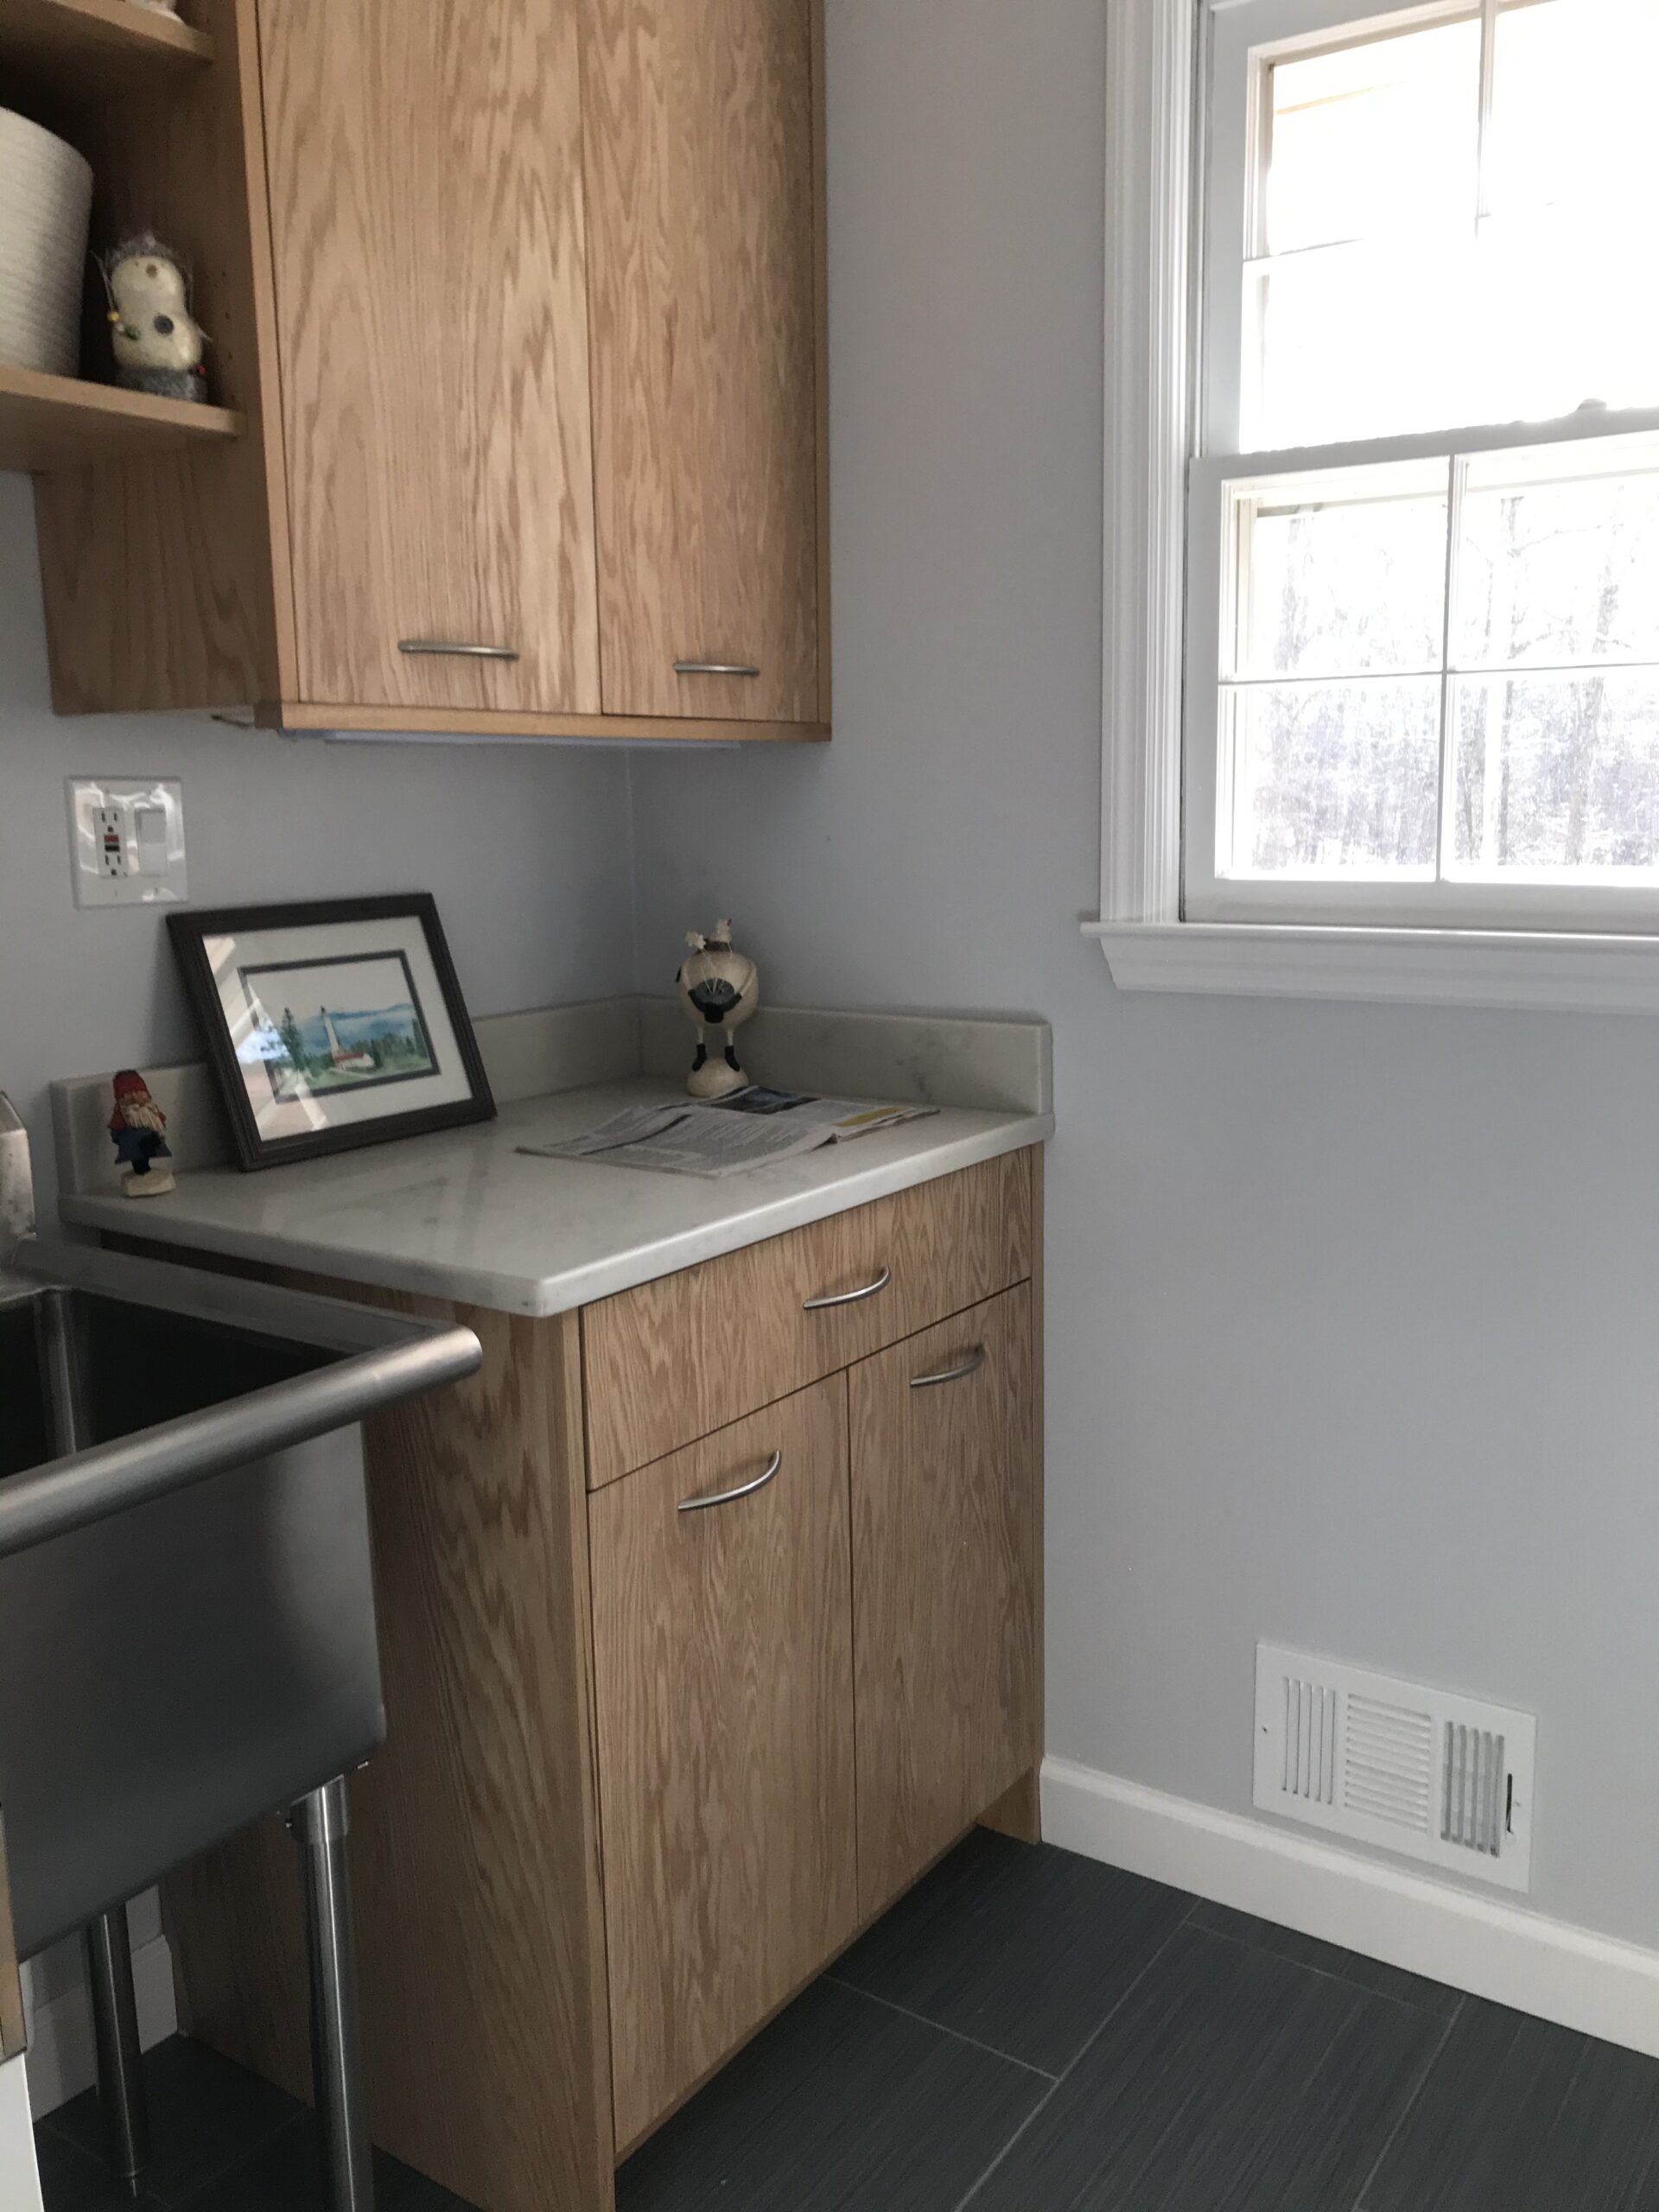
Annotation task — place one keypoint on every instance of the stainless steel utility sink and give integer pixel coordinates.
(187, 1613)
(186, 1608)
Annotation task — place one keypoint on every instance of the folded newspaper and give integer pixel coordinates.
(722, 1136)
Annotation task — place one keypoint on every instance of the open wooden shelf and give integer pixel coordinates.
(77, 47)
(49, 422)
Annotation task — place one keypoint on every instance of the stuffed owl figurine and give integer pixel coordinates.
(158, 342)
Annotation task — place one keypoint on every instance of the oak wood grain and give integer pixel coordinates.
(474, 1848)
(944, 1656)
(704, 261)
(723, 1653)
(426, 197)
(300, 715)
(11, 1994)
(161, 588)
(57, 43)
(670, 1361)
(1019, 1812)
(48, 421)
(821, 296)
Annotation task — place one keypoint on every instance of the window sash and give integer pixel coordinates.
(1247, 37)
(1512, 901)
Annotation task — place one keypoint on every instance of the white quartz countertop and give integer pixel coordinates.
(465, 1215)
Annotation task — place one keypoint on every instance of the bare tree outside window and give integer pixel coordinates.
(1439, 660)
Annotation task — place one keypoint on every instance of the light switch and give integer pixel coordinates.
(126, 842)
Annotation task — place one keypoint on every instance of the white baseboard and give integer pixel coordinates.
(1593, 1983)
(62, 2060)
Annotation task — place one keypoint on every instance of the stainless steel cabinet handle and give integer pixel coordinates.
(971, 1365)
(849, 1297)
(457, 649)
(731, 1497)
(713, 668)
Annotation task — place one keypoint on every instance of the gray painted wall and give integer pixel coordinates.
(525, 849)
(1352, 1312)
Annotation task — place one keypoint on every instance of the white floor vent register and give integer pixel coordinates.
(1438, 1777)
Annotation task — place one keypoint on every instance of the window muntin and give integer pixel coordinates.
(1425, 684)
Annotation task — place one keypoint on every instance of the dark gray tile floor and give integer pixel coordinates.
(1030, 2032)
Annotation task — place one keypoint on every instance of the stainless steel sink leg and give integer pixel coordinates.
(120, 2064)
(319, 1824)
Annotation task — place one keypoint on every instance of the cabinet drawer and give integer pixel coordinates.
(944, 1522)
(675, 1359)
(723, 1692)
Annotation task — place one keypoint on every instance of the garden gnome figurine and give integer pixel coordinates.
(722, 990)
(157, 341)
(138, 1127)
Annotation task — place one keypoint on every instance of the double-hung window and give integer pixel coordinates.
(1420, 677)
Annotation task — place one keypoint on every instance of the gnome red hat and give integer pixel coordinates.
(130, 1087)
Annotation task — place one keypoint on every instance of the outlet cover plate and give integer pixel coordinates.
(126, 841)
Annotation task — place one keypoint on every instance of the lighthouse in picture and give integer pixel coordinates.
(358, 1063)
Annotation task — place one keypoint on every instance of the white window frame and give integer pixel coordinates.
(1153, 78)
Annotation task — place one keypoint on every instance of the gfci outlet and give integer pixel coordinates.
(126, 842)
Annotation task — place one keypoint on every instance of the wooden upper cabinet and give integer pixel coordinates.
(703, 169)
(944, 1523)
(424, 164)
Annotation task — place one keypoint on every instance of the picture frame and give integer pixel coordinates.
(332, 1024)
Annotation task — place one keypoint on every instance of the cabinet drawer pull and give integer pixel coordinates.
(456, 649)
(971, 1365)
(848, 1297)
(731, 1497)
(713, 668)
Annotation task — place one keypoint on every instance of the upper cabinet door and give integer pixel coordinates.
(426, 190)
(700, 134)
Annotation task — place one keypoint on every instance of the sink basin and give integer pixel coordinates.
(186, 1614)
(138, 1365)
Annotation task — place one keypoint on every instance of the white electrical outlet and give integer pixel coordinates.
(126, 842)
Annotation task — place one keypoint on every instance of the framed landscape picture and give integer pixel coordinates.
(331, 1025)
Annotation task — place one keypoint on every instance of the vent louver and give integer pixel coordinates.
(1475, 1787)
(1416, 1770)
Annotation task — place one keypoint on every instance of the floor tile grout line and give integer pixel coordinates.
(1080, 2053)
(922, 2020)
(1331, 1974)
(1410, 2105)
(200, 2195)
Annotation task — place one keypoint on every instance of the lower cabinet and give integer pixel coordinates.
(723, 1672)
(671, 1719)
(745, 1642)
(944, 1519)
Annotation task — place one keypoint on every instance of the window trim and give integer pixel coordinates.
(1154, 103)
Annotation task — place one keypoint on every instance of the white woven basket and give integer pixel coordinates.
(46, 198)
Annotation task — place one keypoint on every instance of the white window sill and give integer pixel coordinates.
(1417, 967)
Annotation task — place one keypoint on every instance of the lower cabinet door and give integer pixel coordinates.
(944, 1526)
(723, 1651)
